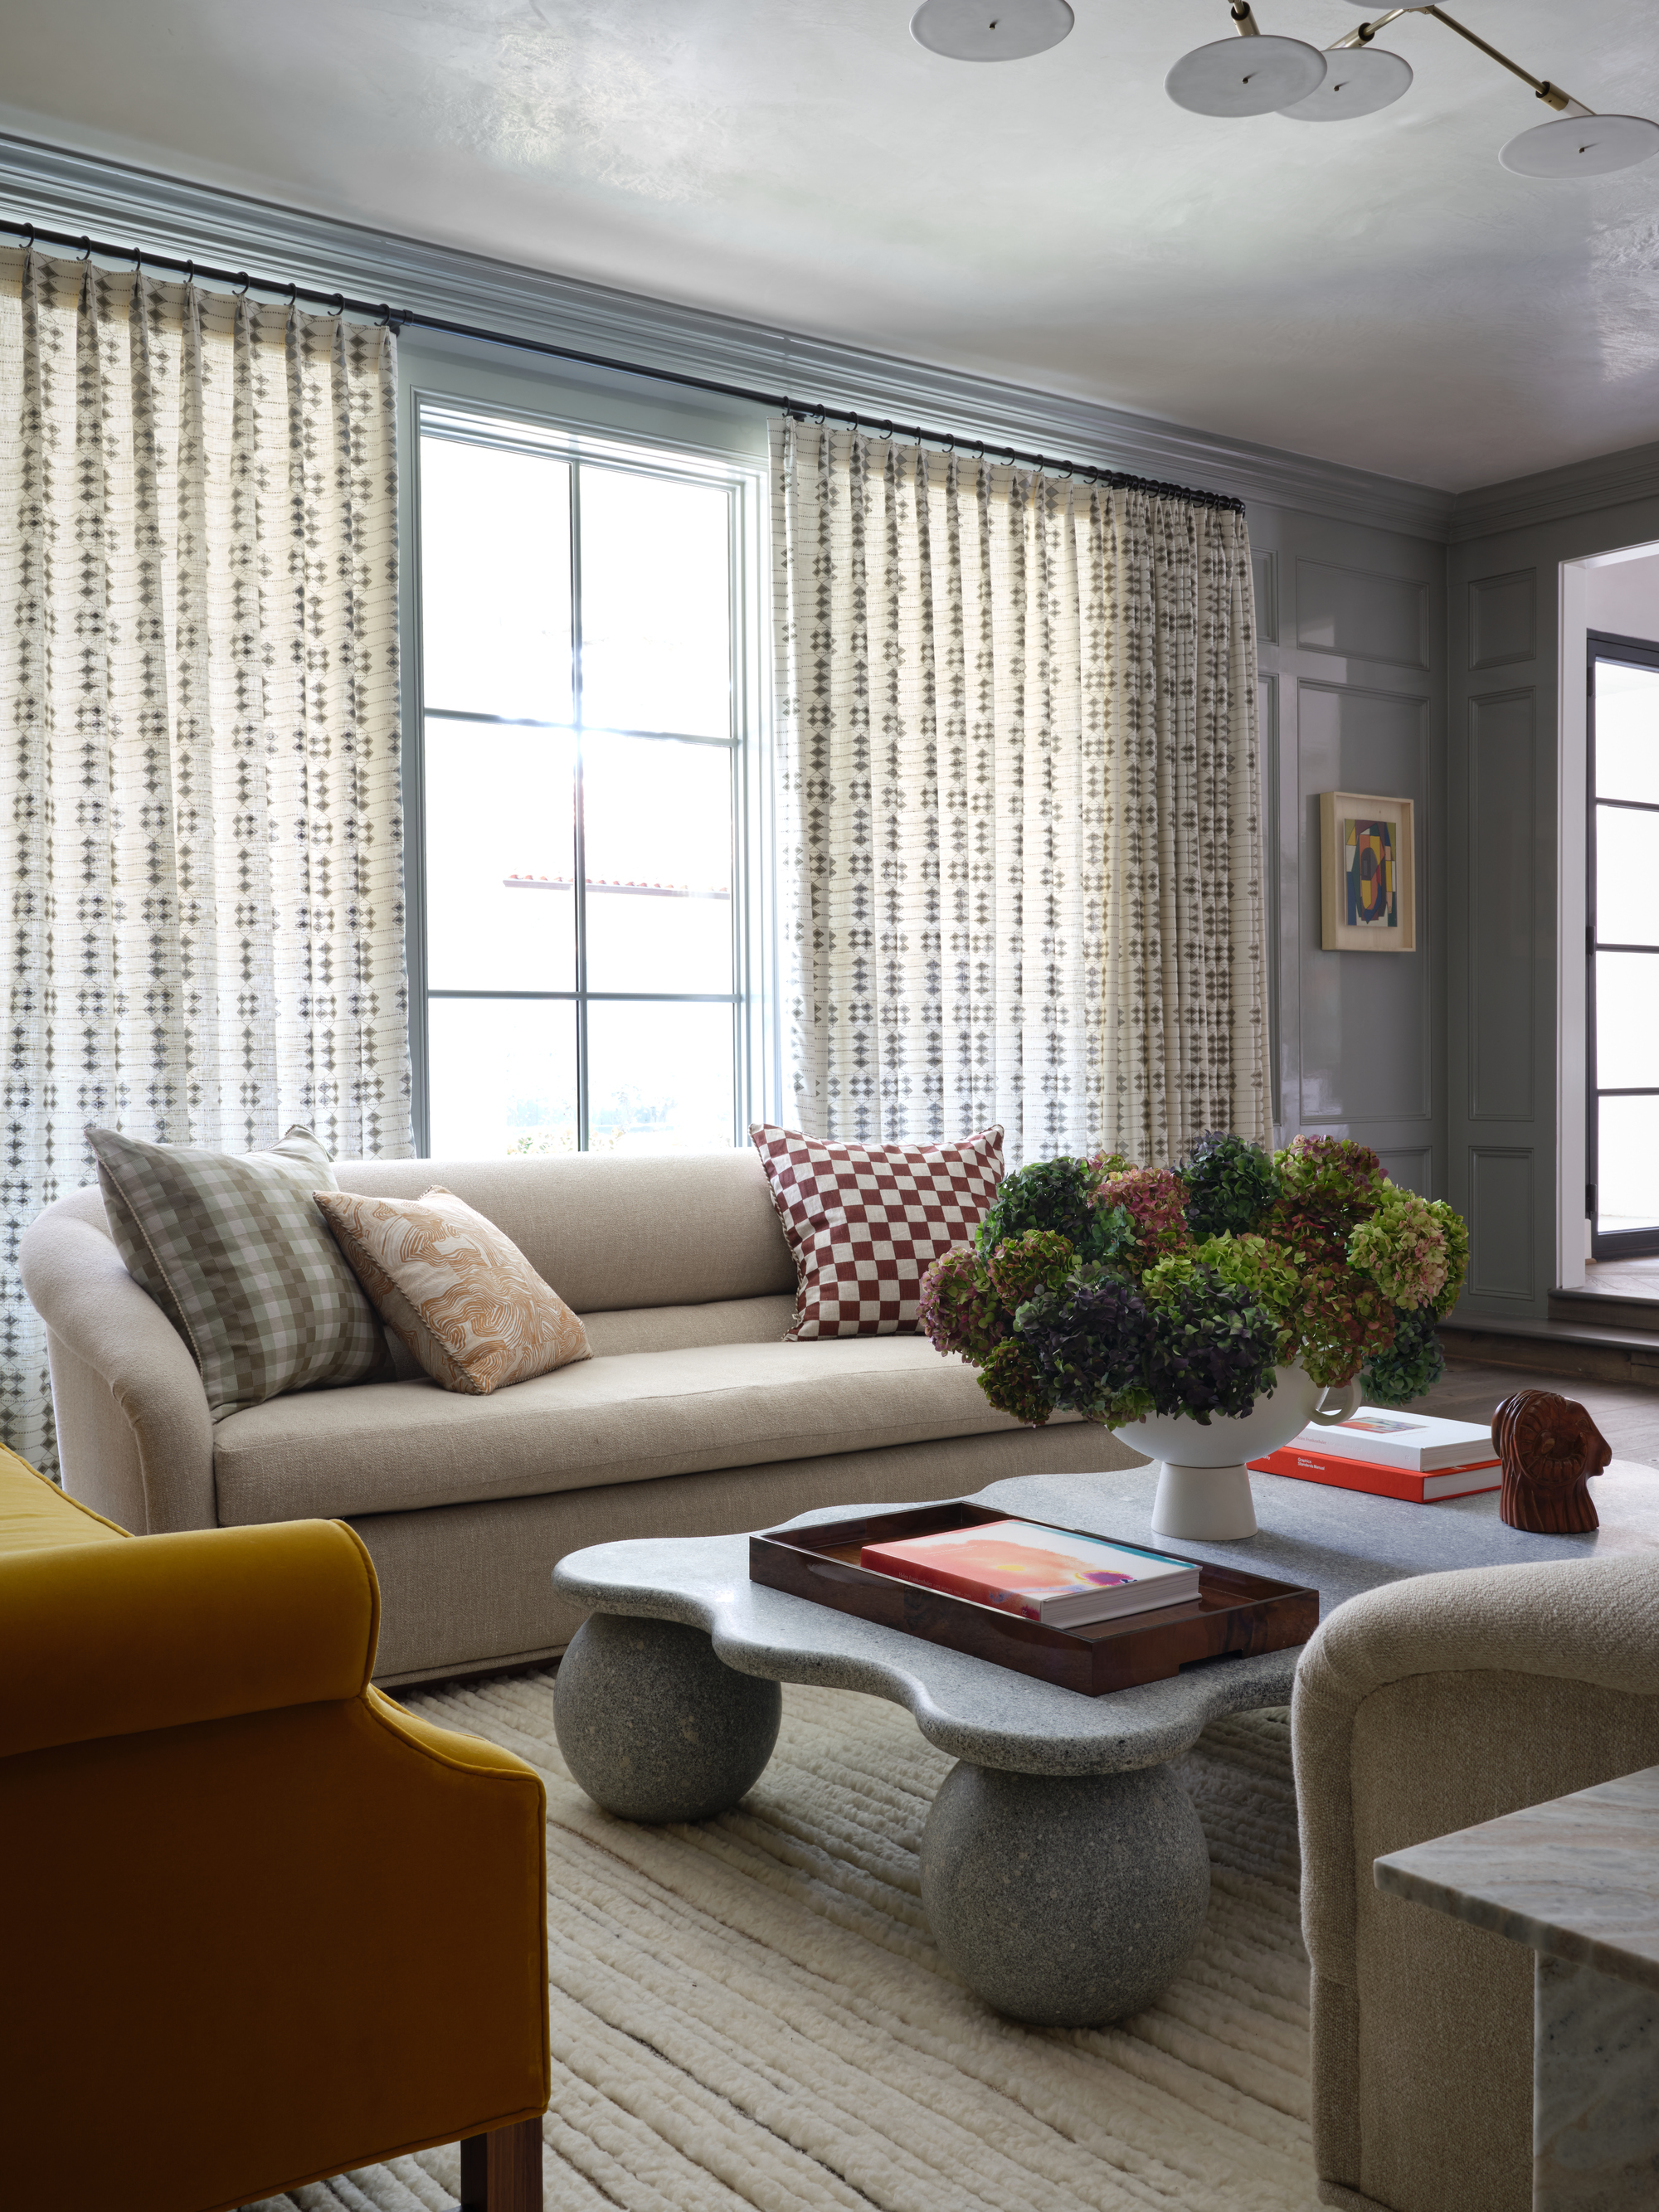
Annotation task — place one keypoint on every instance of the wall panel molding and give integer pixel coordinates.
(1502, 905)
(1501, 1222)
(1362, 616)
(62, 190)
(1504, 619)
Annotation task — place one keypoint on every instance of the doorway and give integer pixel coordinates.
(1621, 946)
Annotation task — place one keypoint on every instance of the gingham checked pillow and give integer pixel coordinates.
(865, 1222)
(232, 1248)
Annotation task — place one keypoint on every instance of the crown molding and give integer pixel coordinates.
(1606, 480)
(62, 190)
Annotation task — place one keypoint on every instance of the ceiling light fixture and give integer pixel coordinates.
(990, 30)
(1353, 77)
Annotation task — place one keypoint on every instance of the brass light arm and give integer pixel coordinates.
(1367, 32)
(1244, 21)
(1551, 93)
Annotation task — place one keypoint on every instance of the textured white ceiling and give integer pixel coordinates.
(1378, 292)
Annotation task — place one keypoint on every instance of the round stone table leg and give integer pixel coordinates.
(1065, 1900)
(653, 1727)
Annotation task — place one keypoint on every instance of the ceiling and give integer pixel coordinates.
(1378, 292)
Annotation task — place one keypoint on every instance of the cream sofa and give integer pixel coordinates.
(692, 1417)
(1421, 1709)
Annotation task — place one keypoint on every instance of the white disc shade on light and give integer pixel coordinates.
(1581, 146)
(990, 30)
(1358, 80)
(1245, 77)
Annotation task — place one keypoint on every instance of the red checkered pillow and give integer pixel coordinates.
(865, 1222)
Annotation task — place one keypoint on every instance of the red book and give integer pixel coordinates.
(1343, 1474)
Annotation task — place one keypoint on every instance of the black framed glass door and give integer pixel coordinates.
(1622, 948)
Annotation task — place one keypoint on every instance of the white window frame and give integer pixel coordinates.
(603, 417)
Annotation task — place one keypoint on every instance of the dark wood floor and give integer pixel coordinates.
(1627, 1415)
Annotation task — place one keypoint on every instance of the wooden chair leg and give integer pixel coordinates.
(501, 2172)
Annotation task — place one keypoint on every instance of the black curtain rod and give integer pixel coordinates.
(400, 318)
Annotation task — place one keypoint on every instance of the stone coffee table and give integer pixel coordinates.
(1064, 1872)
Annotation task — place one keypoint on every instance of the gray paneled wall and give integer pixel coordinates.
(1351, 639)
(1503, 867)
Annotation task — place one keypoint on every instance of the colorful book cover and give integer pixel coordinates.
(1382, 1481)
(1043, 1574)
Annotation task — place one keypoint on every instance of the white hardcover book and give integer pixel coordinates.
(1419, 1443)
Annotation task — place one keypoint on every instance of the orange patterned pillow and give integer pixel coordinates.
(457, 1292)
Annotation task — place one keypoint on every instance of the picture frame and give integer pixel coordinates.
(1368, 873)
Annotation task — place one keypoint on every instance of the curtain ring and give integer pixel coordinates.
(339, 310)
(27, 246)
(246, 281)
(386, 315)
(86, 250)
(887, 432)
(190, 272)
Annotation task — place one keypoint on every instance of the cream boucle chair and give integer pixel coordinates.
(1422, 1708)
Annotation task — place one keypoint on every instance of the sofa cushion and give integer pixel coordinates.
(457, 1290)
(390, 1447)
(233, 1250)
(612, 1232)
(865, 1222)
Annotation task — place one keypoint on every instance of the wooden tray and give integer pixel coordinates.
(1233, 1612)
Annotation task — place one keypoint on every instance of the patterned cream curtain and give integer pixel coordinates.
(201, 866)
(1019, 820)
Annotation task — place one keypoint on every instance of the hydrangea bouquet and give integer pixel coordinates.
(1113, 1291)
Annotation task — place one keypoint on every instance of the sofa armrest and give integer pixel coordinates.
(1420, 1709)
(282, 1945)
(1590, 1621)
(78, 1283)
(117, 1640)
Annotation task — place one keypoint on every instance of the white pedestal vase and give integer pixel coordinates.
(1203, 1484)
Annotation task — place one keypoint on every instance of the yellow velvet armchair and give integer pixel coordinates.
(261, 1925)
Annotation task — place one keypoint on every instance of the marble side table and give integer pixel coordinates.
(1577, 1880)
(1064, 1871)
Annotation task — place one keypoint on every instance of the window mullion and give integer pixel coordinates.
(584, 1126)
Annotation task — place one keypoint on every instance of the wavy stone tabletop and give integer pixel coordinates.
(1576, 1879)
(1337, 1541)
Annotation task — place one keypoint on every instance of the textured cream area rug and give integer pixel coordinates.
(750, 2012)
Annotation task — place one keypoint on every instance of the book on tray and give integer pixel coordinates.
(1392, 1455)
(1048, 1575)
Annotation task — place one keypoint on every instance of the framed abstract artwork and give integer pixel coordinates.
(1367, 877)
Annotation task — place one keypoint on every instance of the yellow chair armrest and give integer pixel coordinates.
(115, 1639)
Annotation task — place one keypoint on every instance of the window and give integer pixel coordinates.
(584, 779)
(1622, 945)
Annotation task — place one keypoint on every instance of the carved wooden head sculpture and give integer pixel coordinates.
(1549, 1447)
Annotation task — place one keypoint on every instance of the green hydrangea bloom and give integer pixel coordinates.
(1038, 1260)
(959, 1310)
(1011, 1382)
(1163, 1283)
(1327, 1172)
(1455, 1230)
(1402, 1248)
(1413, 1363)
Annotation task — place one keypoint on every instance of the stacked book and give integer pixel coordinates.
(1050, 1575)
(1410, 1456)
